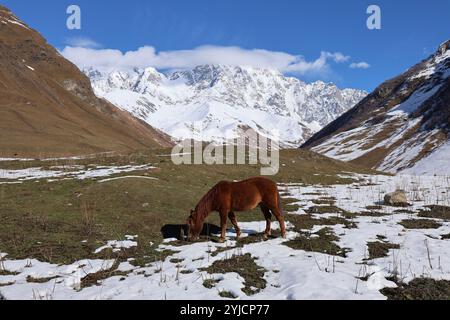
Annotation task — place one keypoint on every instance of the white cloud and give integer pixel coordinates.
(82, 42)
(337, 56)
(181, 59)
(360, 65)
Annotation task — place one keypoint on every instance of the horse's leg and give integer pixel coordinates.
(223, 224)
(279, 215)
(233, 220)
(268, 217)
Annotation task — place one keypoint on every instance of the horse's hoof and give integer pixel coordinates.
(221, 240)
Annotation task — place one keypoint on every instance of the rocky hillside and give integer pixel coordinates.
(47, 106)
(402, 126)
(225, 100)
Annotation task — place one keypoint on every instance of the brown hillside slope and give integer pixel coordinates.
(47, 106)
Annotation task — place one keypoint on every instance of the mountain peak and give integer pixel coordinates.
(4, 10)
(444, 47)
(225, 98)
(215, 72)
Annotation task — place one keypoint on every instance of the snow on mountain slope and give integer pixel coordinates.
(437, 162)
(225, 100)
(403, 125)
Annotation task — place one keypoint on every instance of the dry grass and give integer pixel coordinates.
(445, 236)
(4, 272)
(307, 221)
(50, 221)
(227, 294)
(323, 241)
(210, 283)
(374, 207)
(420, 224)
(245, 266)
(436, 212)
(40, 280)
(379, 249)
(325, 209)
(420, 289)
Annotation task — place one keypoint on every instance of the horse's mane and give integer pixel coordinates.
(205, 205)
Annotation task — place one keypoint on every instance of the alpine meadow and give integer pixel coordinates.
(230, 151)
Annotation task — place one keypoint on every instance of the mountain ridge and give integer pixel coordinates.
(221, 97)
(405, 120)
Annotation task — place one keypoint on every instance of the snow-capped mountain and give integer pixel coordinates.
(404, 125)
(224, 100)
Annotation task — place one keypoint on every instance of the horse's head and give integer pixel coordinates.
(194, 227)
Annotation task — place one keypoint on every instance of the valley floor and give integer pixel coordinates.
(343, 243)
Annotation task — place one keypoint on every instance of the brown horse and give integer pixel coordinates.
(230, 197)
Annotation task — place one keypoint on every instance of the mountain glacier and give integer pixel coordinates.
(215, 102)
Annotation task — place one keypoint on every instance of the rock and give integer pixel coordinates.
(396, 199)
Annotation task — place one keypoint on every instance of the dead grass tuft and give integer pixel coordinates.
(419, 289)
(420, 224)
(246, 267)
(379, 249)
(436, 212)
(322, 241)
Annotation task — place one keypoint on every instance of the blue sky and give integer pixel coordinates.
(302, 38)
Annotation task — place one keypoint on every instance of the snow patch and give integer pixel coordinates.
(91, 173)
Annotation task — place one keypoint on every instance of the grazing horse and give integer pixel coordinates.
(230, 197)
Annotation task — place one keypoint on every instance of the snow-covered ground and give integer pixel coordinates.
(290, 273)
(436, 161)
(89, 156)
(66, 172)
